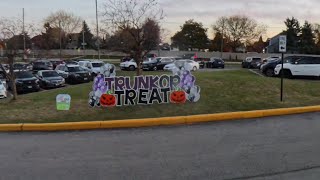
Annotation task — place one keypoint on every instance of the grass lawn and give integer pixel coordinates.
(222, 91)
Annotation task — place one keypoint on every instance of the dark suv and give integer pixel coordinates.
(215, 63)
(73, 73)
(25, 82)
(268, 68)
(156, 63)
(42, 65)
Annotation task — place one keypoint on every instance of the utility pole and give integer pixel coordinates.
(24, 35)
(60, 53)
(97, 22)
(222, 34)
(83, 42)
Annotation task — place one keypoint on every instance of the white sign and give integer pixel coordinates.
(282, 44)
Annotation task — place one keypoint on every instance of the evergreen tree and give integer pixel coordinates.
(87, 36)
(292, 32)
(307, 42)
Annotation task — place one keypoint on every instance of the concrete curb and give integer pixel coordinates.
(165, 121)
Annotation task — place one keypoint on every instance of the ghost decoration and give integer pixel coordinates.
(187, 80)
(99, 86)
(108, 70)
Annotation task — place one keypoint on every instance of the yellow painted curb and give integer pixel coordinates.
(10, 127)
(134, 123)
(61, 126)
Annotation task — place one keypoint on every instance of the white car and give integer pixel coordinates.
(305, 66)
(3, 90)
(129, 65)
(92, 66)
(190, 65)
(169, 67)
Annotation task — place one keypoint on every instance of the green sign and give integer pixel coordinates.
(63, 102)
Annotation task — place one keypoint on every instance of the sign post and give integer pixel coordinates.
(282, 49)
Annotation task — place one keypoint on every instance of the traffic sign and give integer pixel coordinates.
(283, 44)
(83, 44)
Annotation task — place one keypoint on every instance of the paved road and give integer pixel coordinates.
(271, 148)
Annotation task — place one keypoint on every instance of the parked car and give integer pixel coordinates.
(71, 62)
(126, 58)
(251, 62)
(169, 67)
(50, 79)
(268, 68)
(3, 78)
(129, 65)
(267, 60)
(191, 65)
(3, 90)
(25, 82)
(22, 66)
(308, 66)
(157, 63)
(73, 73)
(92, 66)
(42, 65)
(56, 62)
(149, 56)
(215, 63)
(188, 56)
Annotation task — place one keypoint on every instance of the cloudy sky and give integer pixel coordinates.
(269, 12)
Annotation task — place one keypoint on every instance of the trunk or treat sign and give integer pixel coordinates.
(63, 102)
(110, 90)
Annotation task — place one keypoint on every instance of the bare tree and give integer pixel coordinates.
(10, 28)
(68, 22)
(239, 29)
(135, 16)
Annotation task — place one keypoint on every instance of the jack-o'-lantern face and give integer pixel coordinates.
(178, 97)
(107, 100)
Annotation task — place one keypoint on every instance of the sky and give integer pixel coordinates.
(271, 13)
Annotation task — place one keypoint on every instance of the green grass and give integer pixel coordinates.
(220, 92)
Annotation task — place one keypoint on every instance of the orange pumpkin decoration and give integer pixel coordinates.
(178, 97)
(108, 100)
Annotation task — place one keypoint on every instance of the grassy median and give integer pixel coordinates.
(222, 91)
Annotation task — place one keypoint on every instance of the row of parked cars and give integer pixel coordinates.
(167, 63)
(44, 74)
(293, 66)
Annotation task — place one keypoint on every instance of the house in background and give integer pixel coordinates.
(273, 46)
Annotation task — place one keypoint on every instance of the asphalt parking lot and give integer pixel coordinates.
(273, 148)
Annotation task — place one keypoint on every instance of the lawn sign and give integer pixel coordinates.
(110, 90)
(63, 102)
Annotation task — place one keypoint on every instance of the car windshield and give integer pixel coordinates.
(50, 74)
(23, 74)
(132, 60)
(97, 65)
(18, 65)
(75, 69)
(39, 63)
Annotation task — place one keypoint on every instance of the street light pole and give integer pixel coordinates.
(222, 34)
(97, 22)
(24, 35)
(60, 53)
